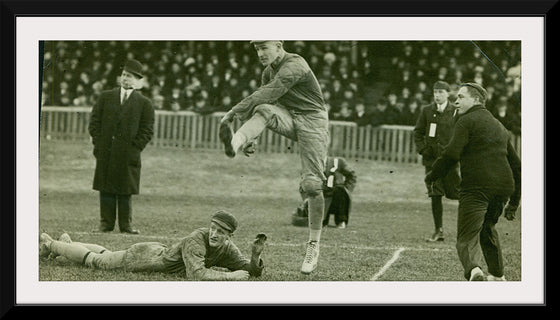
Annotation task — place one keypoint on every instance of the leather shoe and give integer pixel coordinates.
(130, 231)
(437, 236)
(226, 135)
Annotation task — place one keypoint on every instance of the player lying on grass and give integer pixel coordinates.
(196, 254)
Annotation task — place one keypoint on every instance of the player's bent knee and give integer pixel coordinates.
(264, 110)
(311, 187)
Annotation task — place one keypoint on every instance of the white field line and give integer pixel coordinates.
(388, 264)
(280, 244)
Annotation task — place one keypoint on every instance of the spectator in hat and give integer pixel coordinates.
(431, 134)
(121, 125)
(205, 254)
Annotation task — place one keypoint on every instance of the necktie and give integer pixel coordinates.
(123, 97)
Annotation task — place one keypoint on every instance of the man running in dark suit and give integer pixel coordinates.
(490, 178)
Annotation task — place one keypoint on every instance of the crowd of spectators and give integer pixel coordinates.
(367, 82)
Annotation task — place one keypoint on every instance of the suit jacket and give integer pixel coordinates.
(430, 147)
(487, 158)
(119, 134)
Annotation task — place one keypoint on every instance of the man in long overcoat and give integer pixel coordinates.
(121, 125)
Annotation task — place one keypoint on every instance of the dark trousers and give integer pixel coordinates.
(447, 186)
(337, 205)
(110, 204)
(477, 236)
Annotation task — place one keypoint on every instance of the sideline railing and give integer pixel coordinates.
(185, 129)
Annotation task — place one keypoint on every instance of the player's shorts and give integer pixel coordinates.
(145, 256)
(309, 129)
(108, 260)
(447, 186)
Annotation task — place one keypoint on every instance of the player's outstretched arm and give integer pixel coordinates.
(257, 247)
(238, 275)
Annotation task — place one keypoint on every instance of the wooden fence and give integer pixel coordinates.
(186, 129)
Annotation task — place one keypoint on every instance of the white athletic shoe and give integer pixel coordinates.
(65, 237)
(341, 225)
(44, 242)
(494, 278)
(477, 275)
(311, 257)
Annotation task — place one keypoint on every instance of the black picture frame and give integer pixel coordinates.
(11, 10)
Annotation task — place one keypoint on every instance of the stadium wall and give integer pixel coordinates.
(185, 129)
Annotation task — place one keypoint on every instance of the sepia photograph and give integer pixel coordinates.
(379, 114)
(340, 167)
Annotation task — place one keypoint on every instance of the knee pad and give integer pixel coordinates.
(311, 187)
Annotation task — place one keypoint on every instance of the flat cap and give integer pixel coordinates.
(441, 85)
(225, 220)
(480, 89)
(262, 41)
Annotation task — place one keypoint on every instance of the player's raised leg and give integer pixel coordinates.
(264, 116)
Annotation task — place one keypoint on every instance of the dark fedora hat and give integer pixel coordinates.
(134, 67)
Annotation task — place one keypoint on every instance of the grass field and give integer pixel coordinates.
(180, 189)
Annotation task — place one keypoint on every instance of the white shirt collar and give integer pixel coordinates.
(127, 91)
(441, 107)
